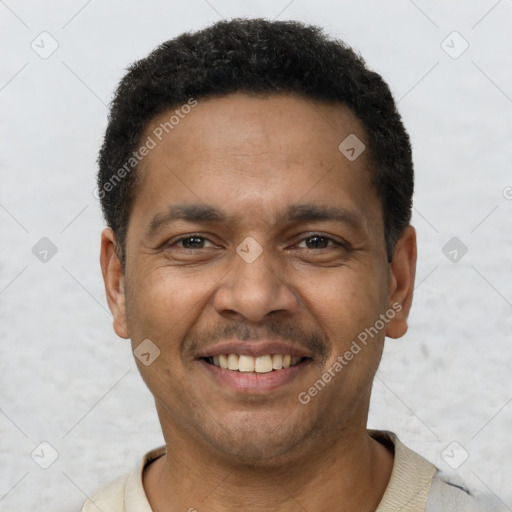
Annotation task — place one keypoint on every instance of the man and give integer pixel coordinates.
(257, 182)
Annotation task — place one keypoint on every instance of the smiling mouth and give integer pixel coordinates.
(261, 364)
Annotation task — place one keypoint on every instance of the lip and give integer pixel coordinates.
(252, 382)
(255, 349)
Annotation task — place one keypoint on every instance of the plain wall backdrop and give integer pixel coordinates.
(67, 380)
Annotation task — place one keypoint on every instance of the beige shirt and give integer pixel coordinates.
(407, 490)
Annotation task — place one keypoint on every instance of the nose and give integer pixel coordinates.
(255, 288)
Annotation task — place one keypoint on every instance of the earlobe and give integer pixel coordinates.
(401, 283)
(113, 278)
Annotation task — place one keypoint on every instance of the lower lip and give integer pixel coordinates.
(252, 382)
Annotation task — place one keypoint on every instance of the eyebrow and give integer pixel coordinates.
(310, 212)
(295, 213)
(187, 212)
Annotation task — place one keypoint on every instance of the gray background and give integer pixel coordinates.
(67, 380)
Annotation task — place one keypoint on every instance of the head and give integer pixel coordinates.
(257, 57)
(257, 184)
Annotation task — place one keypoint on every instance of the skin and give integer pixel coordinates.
(251, 157)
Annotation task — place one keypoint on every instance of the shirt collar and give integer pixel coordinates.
(410, 479)
(407, 489)
(135, 499)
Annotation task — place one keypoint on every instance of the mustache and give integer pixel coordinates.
(315, 341)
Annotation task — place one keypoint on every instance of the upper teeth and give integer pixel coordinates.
(260, 364)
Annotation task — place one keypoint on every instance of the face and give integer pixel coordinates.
(254, 242)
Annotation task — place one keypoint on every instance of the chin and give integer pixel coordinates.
(260, 447)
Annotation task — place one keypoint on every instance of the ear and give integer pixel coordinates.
(113, 278)
(401, 284)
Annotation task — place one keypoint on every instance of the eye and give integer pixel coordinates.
(190, 242)
(319, 242)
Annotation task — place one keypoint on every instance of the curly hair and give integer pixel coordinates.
(256, 56)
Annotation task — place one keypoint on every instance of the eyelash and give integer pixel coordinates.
(314, 235)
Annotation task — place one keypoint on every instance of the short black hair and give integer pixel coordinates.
(256, 56)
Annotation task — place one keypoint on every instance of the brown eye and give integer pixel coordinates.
(318, 242)
(190, 242)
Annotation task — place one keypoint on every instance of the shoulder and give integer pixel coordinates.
(109, 498)
(450, 496)
(416, 484)
(126, 493)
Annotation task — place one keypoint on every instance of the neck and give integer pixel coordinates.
(350, 469)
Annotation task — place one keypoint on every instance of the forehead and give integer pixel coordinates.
(255, 153)
(243, 125)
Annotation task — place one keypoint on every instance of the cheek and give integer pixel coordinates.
(348, 307)
(344, 302)
(165, 302)
(162, 306)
